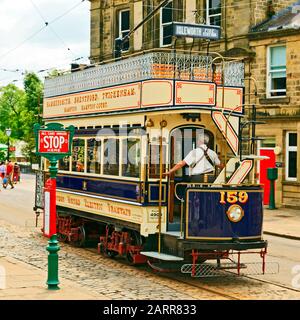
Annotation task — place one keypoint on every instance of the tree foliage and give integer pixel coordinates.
(20, 109)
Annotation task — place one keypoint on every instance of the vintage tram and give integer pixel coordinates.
(135, 118)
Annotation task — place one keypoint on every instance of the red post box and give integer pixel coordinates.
(49, 223)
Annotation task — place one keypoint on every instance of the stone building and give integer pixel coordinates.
(261, 32)
(276, 67)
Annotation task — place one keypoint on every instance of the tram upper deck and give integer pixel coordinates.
(146, 82)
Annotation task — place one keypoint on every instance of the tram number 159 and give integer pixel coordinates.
(233, 197)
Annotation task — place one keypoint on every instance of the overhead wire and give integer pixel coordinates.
(46, 24)
(38, 31)
(50, 27)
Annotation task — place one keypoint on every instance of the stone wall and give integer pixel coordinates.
(282, 114)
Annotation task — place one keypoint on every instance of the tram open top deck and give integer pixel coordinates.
(147, 82)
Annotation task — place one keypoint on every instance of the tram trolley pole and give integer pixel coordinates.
(53, 142)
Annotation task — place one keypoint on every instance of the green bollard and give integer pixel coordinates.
(272, 195)
(272, 174)
(53, 248)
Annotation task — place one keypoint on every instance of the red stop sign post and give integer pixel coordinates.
(53, 142)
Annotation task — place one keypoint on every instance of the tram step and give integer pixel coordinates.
(161, 256)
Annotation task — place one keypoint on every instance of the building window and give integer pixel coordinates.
(291, 156)
(124, 27)
(213, 12)
(166, 27)
(276, 71)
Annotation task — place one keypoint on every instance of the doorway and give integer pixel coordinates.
(264, 165)
(182, 141)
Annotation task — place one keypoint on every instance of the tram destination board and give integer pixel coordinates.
(196, 31)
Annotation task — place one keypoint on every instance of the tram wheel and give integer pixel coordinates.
(110, 253)
(81, 238)
(136, 240)
(62, 237)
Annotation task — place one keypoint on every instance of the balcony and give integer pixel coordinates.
(152, 65)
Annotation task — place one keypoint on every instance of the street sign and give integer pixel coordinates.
(54, 141)
(196, 31)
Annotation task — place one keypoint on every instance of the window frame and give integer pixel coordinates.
(120, 27)
(208, 16)
(287, 150)
(269, 72)
(102, 174)
(162, 25)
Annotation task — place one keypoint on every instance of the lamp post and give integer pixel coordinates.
(8, 133)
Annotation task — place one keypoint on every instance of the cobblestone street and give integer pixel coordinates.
(113, 279)
(99, 277)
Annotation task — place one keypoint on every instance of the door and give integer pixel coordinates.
(264, 165)
(182, 141)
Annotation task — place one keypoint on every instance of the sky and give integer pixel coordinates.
(37, 35)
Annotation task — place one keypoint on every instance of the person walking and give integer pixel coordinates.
(9, 174)
(16, 173)
(2, 172)
(201, 160)
(2, 169)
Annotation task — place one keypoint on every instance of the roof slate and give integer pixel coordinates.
(288, 18)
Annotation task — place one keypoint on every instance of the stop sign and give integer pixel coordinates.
(53, 141)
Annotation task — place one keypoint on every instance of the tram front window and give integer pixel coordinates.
(93, 156)
(78, 155)
(131, 157)
(111, 157)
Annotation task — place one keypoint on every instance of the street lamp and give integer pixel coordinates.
(8, 133)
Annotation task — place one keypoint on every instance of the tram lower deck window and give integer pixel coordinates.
(64, 164)
(93, 156)
(131, 157)
(111, 157)
(78, 155)
(154, 161)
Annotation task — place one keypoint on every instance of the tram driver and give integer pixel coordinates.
(201, 161)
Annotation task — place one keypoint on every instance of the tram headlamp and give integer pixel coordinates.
(235, 213)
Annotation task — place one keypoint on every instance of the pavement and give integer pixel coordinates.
(22, 281)
(282, 222)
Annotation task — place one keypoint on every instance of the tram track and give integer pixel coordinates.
(118, 279)
(174, 277)
(194, 282)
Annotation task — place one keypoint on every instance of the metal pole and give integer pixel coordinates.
(8, 149)
(160, 190)
(53, 246)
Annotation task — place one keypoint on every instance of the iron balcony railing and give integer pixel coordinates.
(153, 65)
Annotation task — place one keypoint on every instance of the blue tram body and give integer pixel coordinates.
(208, 219)
(128, 207)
